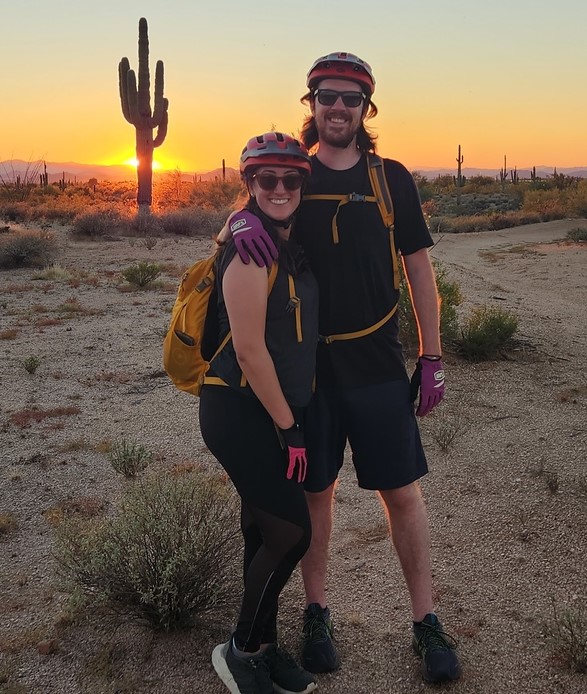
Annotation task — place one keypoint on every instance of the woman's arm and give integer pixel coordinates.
(245, 295)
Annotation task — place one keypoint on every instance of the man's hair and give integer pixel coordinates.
(365, 137)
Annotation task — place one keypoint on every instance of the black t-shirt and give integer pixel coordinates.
(355, 275)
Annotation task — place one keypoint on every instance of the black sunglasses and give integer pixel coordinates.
(268, 181)
(328, 97)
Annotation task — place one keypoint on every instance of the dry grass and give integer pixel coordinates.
(26, 417)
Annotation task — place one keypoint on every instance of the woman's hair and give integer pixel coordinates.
(365, 138)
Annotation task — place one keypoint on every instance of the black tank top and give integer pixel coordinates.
(295, 361)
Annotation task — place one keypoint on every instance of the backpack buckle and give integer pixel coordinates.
(357, 197)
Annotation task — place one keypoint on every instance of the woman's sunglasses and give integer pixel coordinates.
(328, 97)
(269, 181)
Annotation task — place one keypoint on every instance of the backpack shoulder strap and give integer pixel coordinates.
(381, 188)
(385, 204)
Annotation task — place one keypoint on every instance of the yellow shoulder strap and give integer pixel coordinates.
(385, 204)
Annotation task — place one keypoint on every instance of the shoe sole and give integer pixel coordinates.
(221, 667)
(307, 690)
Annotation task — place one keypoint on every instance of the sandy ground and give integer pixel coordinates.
(506, 501)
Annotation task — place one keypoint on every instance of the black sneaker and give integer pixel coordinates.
(318, 652)
(287, 676)
(242, 675)
(437, 650)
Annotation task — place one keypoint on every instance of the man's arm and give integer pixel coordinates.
(422, 287)
(428, 378)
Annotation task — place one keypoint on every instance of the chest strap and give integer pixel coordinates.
(342, 200)
(328, 339)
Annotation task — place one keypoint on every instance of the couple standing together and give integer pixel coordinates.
(303, 375)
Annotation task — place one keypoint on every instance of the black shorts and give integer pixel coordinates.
(379, 423)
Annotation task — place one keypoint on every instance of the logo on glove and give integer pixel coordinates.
(238, 224)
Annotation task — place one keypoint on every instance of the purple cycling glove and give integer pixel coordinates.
(292, 440)
(428, 380)
(252, 240)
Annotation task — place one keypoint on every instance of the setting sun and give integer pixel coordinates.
(134, 162)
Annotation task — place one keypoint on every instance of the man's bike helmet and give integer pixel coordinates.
(343, 66)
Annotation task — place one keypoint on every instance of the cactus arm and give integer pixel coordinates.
(132, 96)
(123, 70)
(162, 127)
(159, 105)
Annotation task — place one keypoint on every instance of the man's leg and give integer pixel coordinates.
(315, 561)
(411, 538)
(318, 652)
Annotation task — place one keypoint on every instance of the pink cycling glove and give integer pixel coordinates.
(252, 240)
(292, 440)
(428, 380)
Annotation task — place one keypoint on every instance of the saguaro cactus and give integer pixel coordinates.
(459, 178)
(136, 108)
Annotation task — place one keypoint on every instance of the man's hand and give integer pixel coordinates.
(252, 240)
(428, 381)
(292, 441)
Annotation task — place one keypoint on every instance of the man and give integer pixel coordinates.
(363, 393)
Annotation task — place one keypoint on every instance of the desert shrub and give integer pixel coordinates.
(129, 458)
(31, 364)
(194, 221)
(549, 204)
(568, 637)
(26, 250)
(486, 332)
(578, 200)
(577, 234)
(450, 297)
(145, 225)
(8, 523)
(169, 554)
(14, 211)
(446, 426)
(142, 274)
(99, 223)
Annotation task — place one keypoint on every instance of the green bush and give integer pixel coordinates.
(170, 554)
(142, 274)
(568, 637)
(26, 250)
(486, 332)
(450, 297)
(577, 234)
(31, 364)
(129, 458)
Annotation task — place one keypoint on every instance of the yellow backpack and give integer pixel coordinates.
(183, 360)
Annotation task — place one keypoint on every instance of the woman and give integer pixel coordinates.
(251, 408)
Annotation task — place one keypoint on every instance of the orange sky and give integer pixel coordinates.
(498, 78)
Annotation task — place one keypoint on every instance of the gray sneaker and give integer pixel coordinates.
(242, 675)
(287, 676)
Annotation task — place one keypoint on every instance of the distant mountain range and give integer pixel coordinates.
(81, 173)
(73, 171)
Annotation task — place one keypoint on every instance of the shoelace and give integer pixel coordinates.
(434, 638)
(317, 627)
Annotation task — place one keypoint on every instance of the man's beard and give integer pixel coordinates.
(338, 140)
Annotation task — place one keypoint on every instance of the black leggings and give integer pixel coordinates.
(274, 515)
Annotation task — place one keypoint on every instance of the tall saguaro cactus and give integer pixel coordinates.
(136, 108)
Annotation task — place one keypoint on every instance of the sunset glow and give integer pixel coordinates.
(441, 82)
